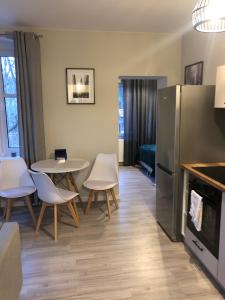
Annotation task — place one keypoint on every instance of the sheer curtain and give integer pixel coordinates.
(29, 91)
(139, 98)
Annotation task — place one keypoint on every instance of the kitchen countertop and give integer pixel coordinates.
(213, 182)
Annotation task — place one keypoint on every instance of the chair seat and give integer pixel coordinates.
(67, 195)
(99, 185)
(17, 192)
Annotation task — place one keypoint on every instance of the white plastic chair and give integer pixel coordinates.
(52, 196)
(15, 182)
(103, 177)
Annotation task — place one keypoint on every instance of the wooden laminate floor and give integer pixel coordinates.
(126, 258)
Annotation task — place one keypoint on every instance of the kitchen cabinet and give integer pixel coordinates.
(221, 262)
(209, 181)
(220, 87)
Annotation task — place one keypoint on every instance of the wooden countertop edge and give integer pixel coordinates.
(216, 184)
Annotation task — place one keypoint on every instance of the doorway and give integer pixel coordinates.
(137, 120)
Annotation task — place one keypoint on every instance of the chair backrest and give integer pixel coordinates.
(14, 173)
(46, 189)
(105, 168)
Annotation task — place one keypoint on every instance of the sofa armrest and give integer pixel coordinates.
(10, 262)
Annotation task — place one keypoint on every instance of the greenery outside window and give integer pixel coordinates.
(9, 102)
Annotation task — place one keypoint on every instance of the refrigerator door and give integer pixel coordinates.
(167, 159)
(167, 135)
(166, 190)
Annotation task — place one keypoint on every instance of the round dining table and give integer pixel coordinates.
(63, 168)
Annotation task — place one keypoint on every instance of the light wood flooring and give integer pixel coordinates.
(126, 258)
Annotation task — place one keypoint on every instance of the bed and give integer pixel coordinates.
(147, 157)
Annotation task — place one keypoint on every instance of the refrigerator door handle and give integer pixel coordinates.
(164, 169)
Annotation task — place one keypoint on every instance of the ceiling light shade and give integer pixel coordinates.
(209, 16)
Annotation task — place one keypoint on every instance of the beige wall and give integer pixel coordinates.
(210, 48)
(86, 130)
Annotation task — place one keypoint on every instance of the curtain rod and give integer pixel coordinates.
(10, 34)
(6, 33)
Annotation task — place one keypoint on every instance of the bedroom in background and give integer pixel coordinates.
(137, 121)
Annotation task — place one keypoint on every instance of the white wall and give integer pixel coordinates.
(210, 48)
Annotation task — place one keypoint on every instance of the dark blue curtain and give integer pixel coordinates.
(139, 98)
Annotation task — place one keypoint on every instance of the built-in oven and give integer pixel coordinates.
(210, 229)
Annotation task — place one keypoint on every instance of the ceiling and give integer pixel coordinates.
(107, 15)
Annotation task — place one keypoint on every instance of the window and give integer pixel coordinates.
(121, 112)
(8, 102)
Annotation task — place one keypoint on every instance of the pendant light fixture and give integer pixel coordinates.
(209, 15)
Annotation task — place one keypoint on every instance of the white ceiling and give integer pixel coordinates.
(108, 15)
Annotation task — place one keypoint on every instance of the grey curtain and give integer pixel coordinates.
(139, 98)
(29, 93)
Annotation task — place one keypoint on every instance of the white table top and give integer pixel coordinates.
(53, 166)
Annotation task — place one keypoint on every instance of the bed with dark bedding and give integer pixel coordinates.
(147, 157)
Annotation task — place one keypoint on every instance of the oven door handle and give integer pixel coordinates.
(197, 245)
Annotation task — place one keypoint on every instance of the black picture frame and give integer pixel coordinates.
(80, 85)
(193, 74)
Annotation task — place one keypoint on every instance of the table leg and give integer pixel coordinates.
(8, 209)
(4, 211)
(71, 179)
(69, 183)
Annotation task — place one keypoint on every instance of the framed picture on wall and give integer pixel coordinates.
(80, 85)
(194, 74)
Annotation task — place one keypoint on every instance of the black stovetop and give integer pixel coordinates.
(216, 172)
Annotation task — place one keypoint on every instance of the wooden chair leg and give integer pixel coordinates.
(114, 198)
(30, 208)
(55, 223)
(75, 209)
(73, 214)
(108, 204)
(43, 207)
(90, 199)
(8, 209)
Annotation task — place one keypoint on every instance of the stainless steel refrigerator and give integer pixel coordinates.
(188, 130)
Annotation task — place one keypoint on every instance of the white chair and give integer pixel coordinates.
(52, 196)
(103, 177)
(15, 182)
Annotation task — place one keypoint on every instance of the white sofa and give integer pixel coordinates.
(10, 262)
